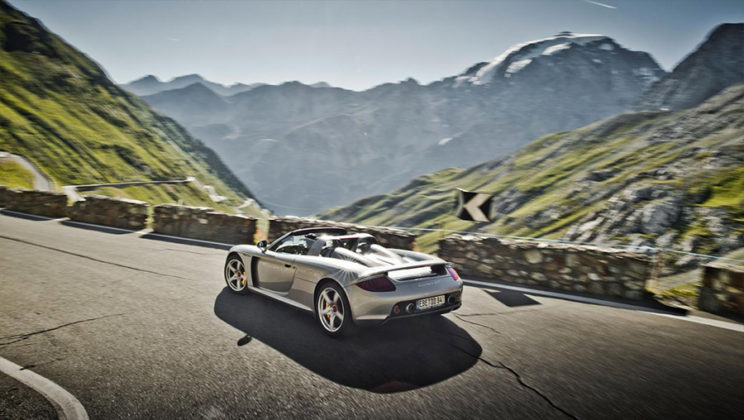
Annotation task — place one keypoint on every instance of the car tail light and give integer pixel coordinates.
(377, 284)
(453, 273)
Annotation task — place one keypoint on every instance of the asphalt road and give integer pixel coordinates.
(136, 327)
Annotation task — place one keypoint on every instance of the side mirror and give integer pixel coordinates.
(262, 245)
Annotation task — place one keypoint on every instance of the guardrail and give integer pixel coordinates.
(203, 223)
(585, 269)
(107, 211)
(722, 289)
(42, 203)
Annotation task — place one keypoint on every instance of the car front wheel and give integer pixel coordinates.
(235, 275)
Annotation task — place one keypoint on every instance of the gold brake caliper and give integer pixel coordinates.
(242, 279)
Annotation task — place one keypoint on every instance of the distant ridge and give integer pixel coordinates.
(149, 85)
(714, 65)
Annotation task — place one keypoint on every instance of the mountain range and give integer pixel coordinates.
(303, 149)
(150, 84)
(59, 109)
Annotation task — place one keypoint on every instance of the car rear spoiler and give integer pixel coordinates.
(418, 264)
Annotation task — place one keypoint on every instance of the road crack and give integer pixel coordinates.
(35, 365)
(142, 270)
(20, 337)
(531, 388)
(519, 379)
(460, 317)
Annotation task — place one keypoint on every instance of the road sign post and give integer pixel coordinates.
(473, 206)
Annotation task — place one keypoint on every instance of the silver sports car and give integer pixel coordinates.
(344, 279)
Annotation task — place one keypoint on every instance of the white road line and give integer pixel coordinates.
(67, 406)
(707, 321)
(689, 318)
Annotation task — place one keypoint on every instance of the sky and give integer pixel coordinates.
(356, 44)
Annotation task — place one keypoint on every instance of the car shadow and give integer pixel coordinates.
(97, 228)
(512, 299)
(647, 303)
(27, 216)
(400, 356)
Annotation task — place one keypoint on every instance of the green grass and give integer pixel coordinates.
(182, 194)
(727, 189)
(59, 110)
(12, 174)
(689, 290)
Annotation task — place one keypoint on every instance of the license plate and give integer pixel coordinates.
(430, 302)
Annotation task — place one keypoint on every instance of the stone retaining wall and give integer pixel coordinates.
(108, 211)
(586, 269)
(392, 238)
(723, 288)
(42, 203)
(203, 223)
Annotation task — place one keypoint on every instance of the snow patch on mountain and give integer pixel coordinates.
(520, 55)
(516, 66)
(556, 48)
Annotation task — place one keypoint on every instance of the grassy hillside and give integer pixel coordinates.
(59, 109)
(664, 179)
(187, 194)
(12, 174)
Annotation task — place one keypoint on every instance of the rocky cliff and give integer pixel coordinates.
(716, 64)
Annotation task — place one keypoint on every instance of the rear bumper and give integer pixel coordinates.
(437, 311)
(371, 308)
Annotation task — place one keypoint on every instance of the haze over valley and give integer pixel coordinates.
(304, 148)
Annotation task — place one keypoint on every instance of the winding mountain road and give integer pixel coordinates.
(135, 326)
(41, 181)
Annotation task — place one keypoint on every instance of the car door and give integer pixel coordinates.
(275, 271)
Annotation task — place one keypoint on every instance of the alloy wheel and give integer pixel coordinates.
(235, 275)
(331, 309)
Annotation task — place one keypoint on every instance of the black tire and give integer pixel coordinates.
(328, 308)
(235, 275)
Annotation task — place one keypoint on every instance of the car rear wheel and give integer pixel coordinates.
(235, 275)
(332, 310)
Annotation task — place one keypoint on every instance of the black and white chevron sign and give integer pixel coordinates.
(473, 206)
